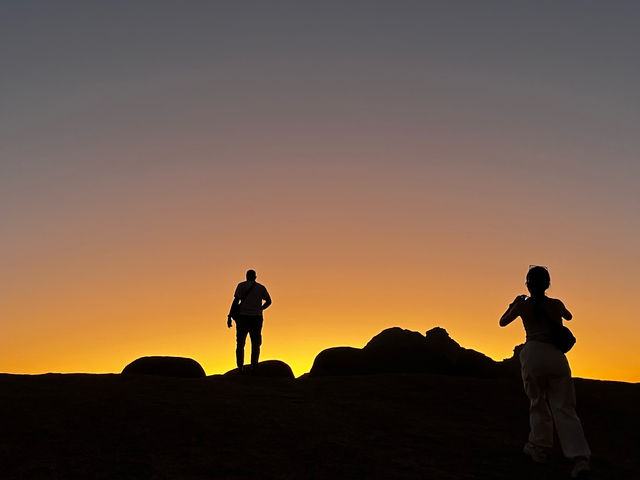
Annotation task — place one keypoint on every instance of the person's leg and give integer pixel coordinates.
(256, 340)
(241, 338)
(562, 399)
(540, 420)
(533, 366)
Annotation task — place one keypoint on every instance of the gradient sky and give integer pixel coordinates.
(378, 163)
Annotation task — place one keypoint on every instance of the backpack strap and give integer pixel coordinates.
(234, 307)
(248, 291)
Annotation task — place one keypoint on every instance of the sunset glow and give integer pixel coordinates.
(372, 171)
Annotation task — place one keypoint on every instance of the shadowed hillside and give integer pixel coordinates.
(406, 406)
(395, 426)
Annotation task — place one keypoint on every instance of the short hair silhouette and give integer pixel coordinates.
(251, 275)
(538, 279)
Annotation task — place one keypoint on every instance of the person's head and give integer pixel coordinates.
(251, 275)
(538, 280)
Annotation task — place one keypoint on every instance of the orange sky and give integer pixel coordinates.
(372, 180)
(152, 271)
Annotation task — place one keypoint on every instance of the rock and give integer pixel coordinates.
(340, 361)
(396, 350)
(510, 367)
(268, 368)
(475, 364)
(165, 366)
(459, 360)
(442, 345)
(396, 338)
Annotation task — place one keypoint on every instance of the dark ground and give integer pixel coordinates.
(379, 426)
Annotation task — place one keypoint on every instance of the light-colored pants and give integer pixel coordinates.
(549, 386)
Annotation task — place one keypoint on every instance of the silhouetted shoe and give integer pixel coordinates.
(536, 453)
(581, 468)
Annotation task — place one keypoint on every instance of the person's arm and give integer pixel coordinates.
(236, 301)
(512, 312)
(566, 314)
(267, 300)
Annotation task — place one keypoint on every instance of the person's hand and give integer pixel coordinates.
(229, 324)
(519, 299)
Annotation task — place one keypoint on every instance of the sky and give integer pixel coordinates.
(378, 164)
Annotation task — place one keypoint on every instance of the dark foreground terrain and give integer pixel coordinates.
(392, 426)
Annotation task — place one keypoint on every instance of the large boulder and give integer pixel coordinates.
(457, 360)
(166, 367)
(268, 368)
(510, 367)
(475, 364)
(442, 345)
(396, 350)
(340, 361)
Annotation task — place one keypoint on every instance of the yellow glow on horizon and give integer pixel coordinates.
(371, 181)
(294, 332)
(154, 275)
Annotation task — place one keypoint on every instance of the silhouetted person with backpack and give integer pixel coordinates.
(546, 375)
(246, 310)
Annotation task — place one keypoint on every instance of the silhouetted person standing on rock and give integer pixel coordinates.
(246, 310)
(547, 376)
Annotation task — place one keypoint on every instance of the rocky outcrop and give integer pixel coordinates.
(165, 366)
(396, 350)
(510, 367)
(340, 361)
(268, 368)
